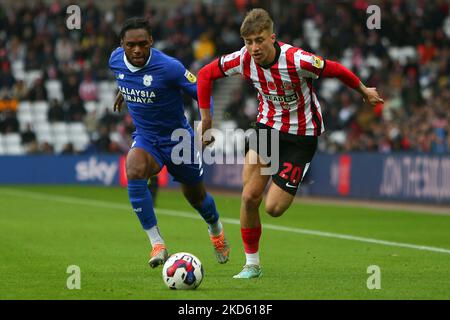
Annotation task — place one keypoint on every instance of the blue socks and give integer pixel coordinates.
(208, 210)
(142, 202)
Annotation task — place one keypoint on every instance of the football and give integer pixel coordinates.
(182, 271)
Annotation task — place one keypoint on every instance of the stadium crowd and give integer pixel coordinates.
(408, 60)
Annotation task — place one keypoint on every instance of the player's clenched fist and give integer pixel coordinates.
(203, 127)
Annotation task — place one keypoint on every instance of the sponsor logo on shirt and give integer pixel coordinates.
(139, 96)
(283, 100)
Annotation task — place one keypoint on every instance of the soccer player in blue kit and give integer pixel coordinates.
(152, 85)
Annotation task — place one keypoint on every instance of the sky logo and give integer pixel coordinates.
(94, 170)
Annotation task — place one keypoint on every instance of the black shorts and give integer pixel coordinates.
(295, 155)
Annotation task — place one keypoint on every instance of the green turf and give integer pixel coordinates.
(43, 230)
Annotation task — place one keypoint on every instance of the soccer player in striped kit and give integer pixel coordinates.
(283, 77)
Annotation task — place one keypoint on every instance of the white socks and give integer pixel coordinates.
(154, 236)
(252, 258)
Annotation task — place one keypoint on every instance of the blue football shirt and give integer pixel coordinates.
(154, 93)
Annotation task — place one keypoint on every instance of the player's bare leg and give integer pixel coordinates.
(277, 200)
(252, 194)
(203, 202)
(140, 165)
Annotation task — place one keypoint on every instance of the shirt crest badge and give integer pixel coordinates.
(147, 79)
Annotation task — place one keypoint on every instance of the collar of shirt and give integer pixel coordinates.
(133, 68)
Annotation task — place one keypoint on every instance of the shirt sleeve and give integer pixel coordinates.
(334, 69)
(231, 64)
(182, 78)
(186, 81)
(206, 77)
(309, 65)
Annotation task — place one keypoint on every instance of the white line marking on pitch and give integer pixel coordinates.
(185, 214)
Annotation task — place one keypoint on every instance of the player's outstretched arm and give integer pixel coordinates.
(118, 102)
(334, 69)
(205, 79)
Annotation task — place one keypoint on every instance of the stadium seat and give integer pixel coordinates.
(40, 117)
(107, 100)
(40, 107)
(18, 69)
(24, 106)
(42, 127)
(115, 136)
(76, 128)
(107, 87)
(39, 110)
(60, 141)
(338, 137)
(100, 109)
(402, 54)
(54, 90)
(12, 139)
(12, 144)
(14, 150)
(107, 92)
(45, 137)
(80, 142)
(59, 128)
(24, 119)
(330, 87)
(90, 106)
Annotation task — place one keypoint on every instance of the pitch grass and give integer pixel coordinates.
(41, 234)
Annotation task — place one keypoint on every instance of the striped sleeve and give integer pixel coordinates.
(311, 66)
(231, 64)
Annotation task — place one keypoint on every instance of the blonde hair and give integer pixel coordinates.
(255, 22)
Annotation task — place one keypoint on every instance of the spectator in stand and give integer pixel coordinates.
(29, 140)
(103, 142)
(20, 91)
(64, 50)
(38, 91)
(8, 122)
(68, 149)
(70, 85)
(55, 112)
(88, 88)
(204, 48)
(47, 148)
(76, 110)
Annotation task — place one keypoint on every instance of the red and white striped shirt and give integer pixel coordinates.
(287, 101)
